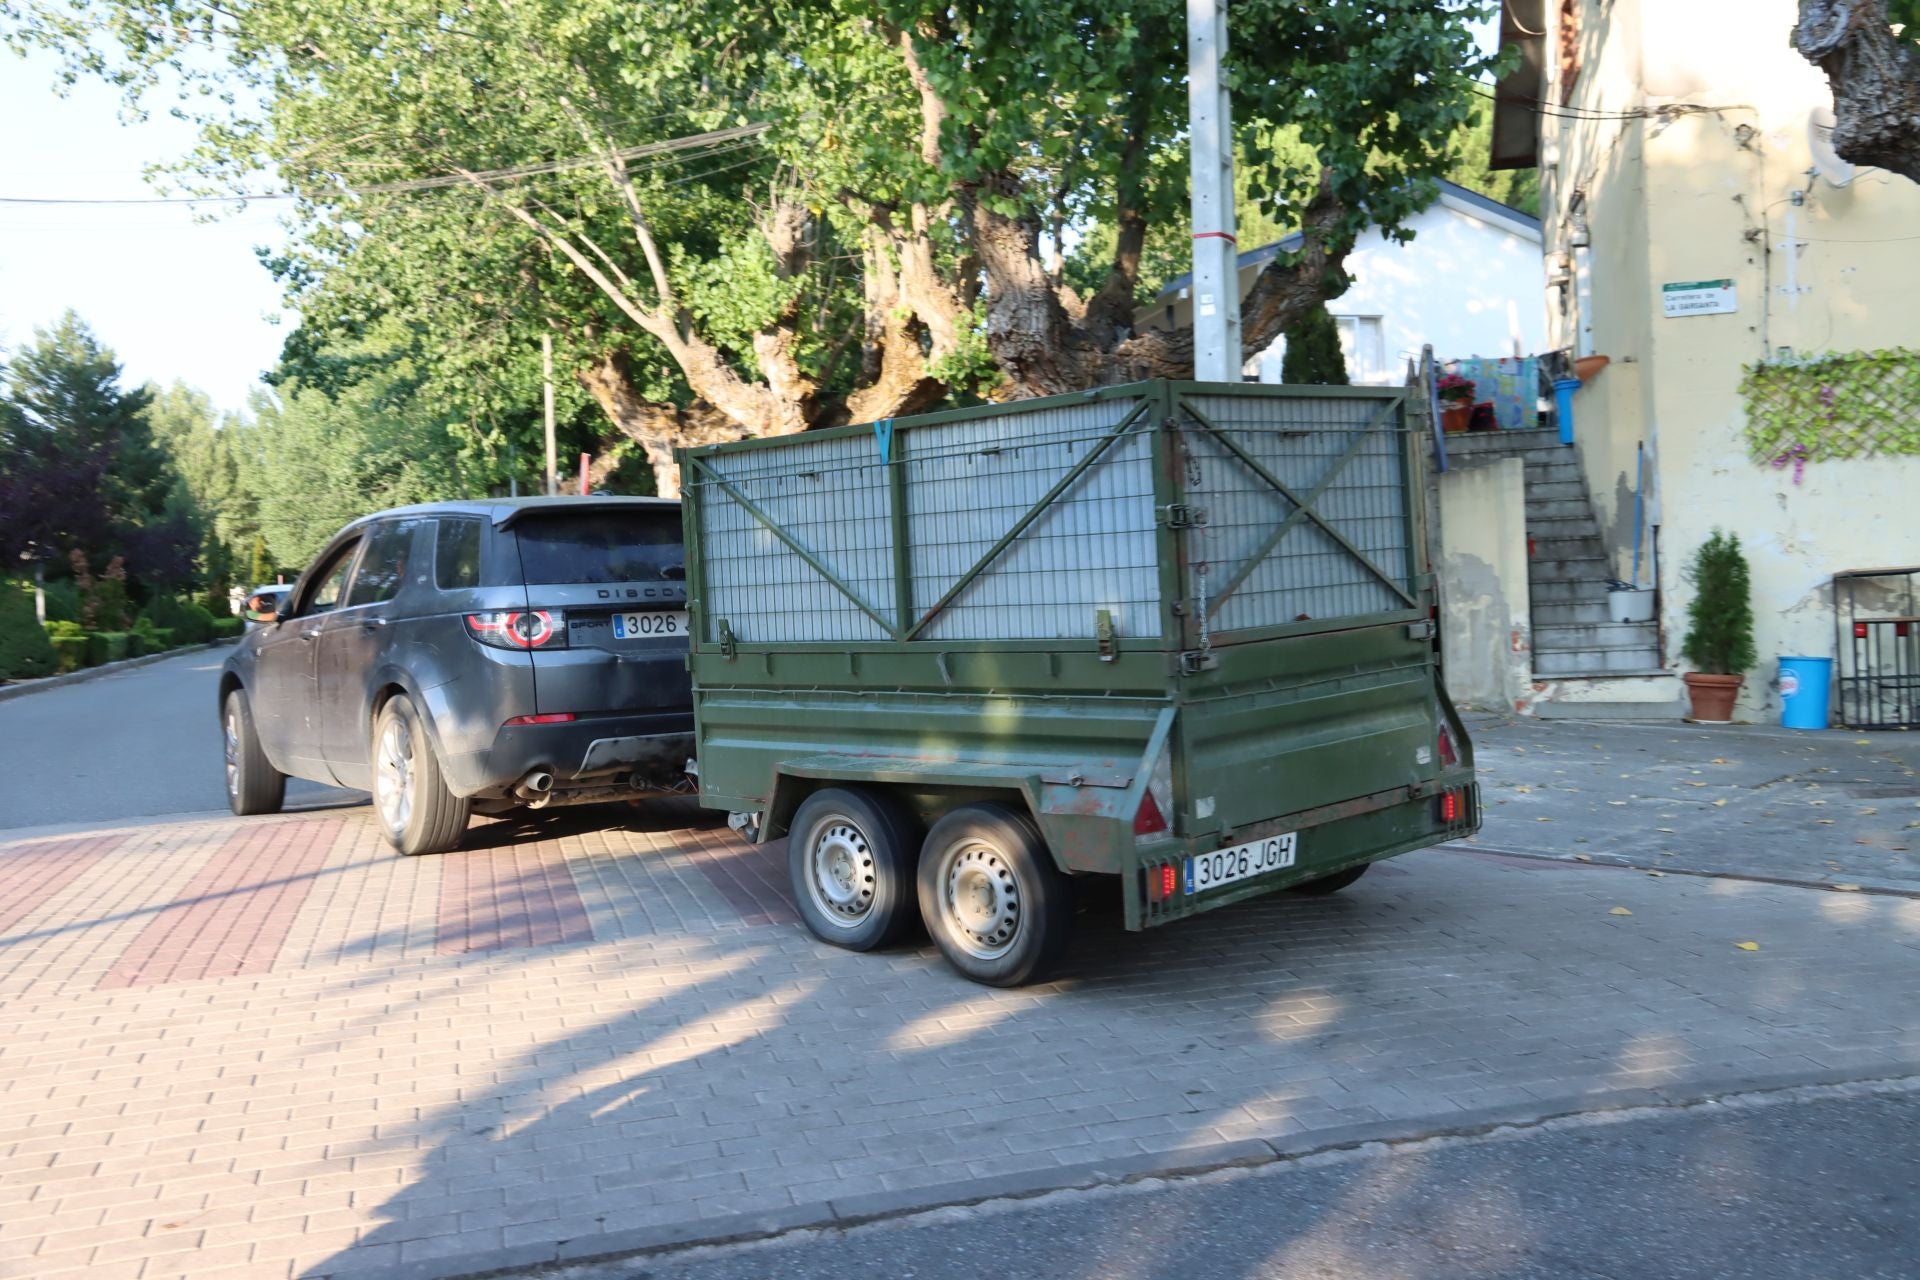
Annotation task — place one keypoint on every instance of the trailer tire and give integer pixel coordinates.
(850, 856)
(1330, 884)
(995, 904)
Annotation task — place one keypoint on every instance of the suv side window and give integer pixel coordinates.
(456, 554)
(383, 570)
(332, 579)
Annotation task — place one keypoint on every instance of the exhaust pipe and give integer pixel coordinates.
(534, 787)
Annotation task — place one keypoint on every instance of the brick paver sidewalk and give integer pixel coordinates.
(271, 1048)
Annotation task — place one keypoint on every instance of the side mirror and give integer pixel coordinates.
(261, 608)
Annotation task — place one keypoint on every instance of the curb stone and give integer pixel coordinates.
(850, 1211)
(21, 690)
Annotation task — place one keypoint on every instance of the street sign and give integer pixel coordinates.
(1698, 297)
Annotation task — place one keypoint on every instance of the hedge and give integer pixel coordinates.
(105, 646)
(189, 622)
(229, 628)
(70, 652)
(25, 650)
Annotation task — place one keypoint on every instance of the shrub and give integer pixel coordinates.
(105, 646)
(1720, 619)
(229, 628)
(189, 623)
(1313, 356)
(137, 646)
(160, 639)
(69, 652)
(110, 611)
(63, 602)
(25, 649)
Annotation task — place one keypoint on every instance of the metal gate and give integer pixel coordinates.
(1877, 614)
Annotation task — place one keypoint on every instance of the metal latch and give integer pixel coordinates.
(1103, 632)
(727, 646)
(1178, 515)
(1422, 630)
(1194, 661)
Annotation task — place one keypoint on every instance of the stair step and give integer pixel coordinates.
(1558, 614)
(1584, 546)
(1597, 635)
(1542, 509)
(1579, 590)
(1553, 473)
(1573, 662)
(1591, 570)
(1502, 441)
(1556, 491)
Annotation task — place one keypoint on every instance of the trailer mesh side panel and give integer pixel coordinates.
(829, 495)
(1308, 575)
(1091, 549)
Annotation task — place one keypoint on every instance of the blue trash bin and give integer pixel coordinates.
(1804, 683)
(1563, 389)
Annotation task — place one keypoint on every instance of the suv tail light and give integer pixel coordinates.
(519, 629)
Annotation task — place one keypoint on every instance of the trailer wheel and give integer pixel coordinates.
(997, 907)
(1330, 884)
(850, 856)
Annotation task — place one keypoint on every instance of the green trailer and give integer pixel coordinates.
(1182, 634)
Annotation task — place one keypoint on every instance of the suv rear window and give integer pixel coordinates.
(601, 546)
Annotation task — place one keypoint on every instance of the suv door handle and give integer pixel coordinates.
(372, 624)
(310, 634)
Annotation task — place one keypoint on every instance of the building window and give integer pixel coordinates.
(1363, 342)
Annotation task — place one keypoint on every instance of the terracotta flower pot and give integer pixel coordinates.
(1712, 696)
(1587, 366)
(1455, 415)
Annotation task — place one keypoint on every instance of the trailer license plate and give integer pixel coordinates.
(657, 622)
(1211, 870)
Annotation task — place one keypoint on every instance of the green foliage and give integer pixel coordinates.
(69, 653)
(105, 646)
(63, 602)
(188, 621)
(111, 609)
(25, 650)
(1472, 153)
(1853, 404)
(161, 639)
(1720, 618)
(1313, 356)
(229, 628)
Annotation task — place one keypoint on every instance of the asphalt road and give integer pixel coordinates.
(135, 744)
(1789, 1190)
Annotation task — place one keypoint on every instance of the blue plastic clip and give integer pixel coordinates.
(883, 432)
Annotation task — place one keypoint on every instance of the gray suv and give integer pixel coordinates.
(470, 657)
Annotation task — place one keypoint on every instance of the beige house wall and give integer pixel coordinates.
(1705, 192)
(1485, 629)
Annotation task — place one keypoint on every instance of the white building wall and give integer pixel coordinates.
(1468, 284)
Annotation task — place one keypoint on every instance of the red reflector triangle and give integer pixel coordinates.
(1148, 819)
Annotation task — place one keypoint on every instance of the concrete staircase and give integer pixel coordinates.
(1574, 639)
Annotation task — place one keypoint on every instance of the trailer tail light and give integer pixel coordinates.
(519, 628)
(1443, 742)
(1163, 882)
(550, 717)
(1148, 820)
(1449, 806)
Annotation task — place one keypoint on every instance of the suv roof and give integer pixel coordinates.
(504, 511)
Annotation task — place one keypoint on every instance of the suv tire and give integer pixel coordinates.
(253, 784)
(417, 812)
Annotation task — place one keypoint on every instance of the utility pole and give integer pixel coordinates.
(546, 372)
(1216, 252)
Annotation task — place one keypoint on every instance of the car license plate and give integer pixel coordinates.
(1255, 858)
(650, 624)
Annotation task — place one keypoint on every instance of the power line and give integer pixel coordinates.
(710, 139)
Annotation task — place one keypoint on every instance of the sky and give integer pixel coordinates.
(172, 297)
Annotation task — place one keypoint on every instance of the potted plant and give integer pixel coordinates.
(1719, 627)
(1456, 402)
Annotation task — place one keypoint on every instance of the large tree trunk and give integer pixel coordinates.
(1875, 76)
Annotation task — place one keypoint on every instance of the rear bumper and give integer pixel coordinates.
(591, 751)
(1330, 839)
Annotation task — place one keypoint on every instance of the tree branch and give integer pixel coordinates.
(1875, 77)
